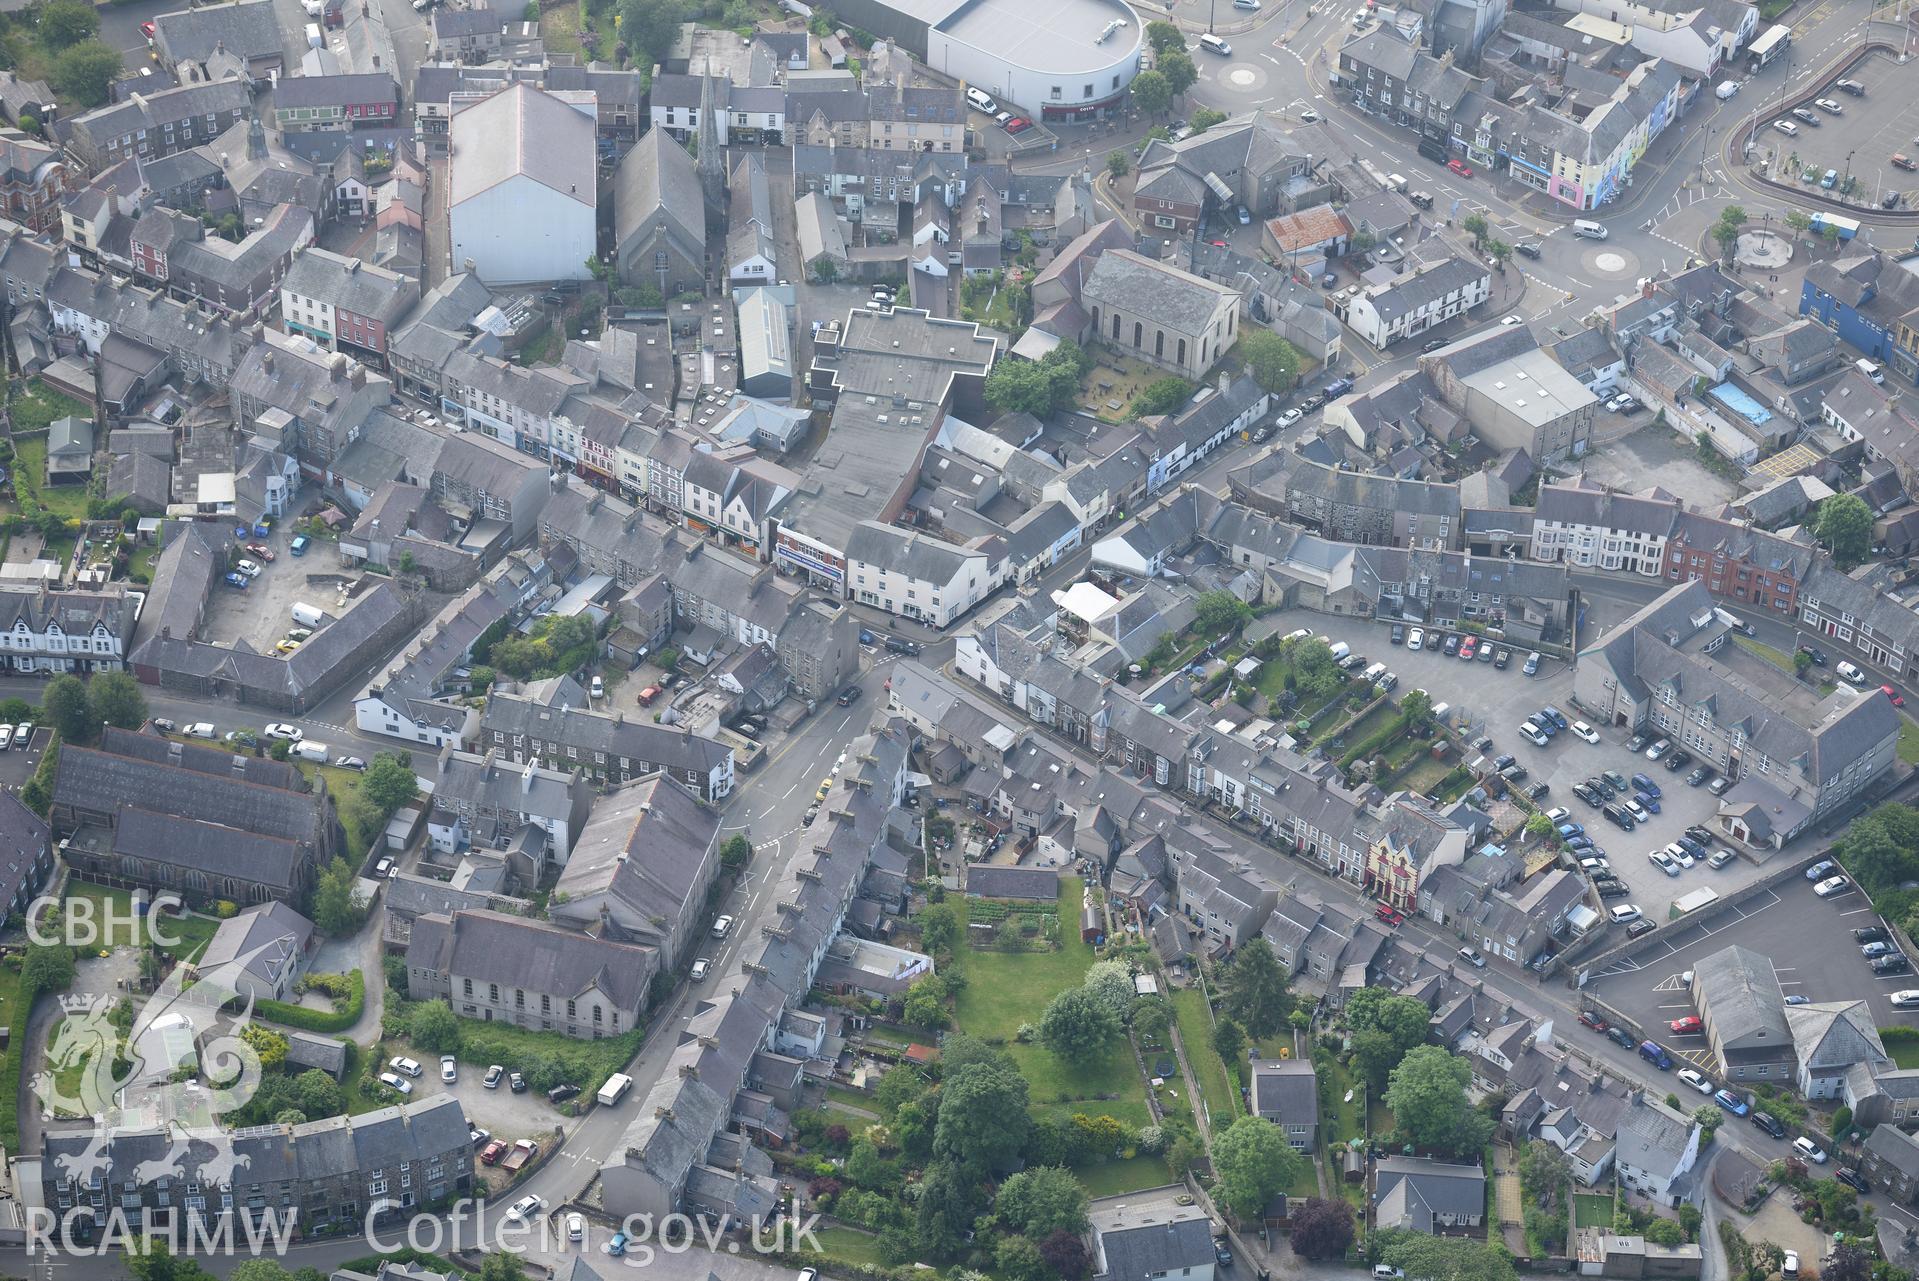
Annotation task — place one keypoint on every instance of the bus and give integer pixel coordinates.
(1774, 41)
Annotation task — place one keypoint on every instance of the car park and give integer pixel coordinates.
(1623, 912)
(1906, 998)
(1587, 795)
(1870, 950)
(1894, 964)
(1664, 862)
(1720, 858)
(1829, 106)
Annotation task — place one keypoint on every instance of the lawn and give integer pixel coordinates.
(112, 915)
(851, 1097)
(1908, 741)
(1904, 1053)
(1339, 1119)
(1196, 1030)
(1591, 1210)
(849, 1245)
(1006, 989)
(30, 483)
(1778, 658)
(1382, 715)
(1129, 1175)
(341, 785)
(140, 566)
(997, 306)
(1427, 774)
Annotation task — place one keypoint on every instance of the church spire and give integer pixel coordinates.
(711, 156)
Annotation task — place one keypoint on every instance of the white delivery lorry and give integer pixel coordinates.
(615, 1088)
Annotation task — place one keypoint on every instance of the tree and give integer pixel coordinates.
(1707, 1117)
(1475, 225)
(1323, 1228)
(1689, 1220)
(83, 72)
(434, 1027)
(64, 702)
(1151, 1017)
(1430, 1258)
(1077, 1026)
(1417, 708)
(1272, 361)
(318, 1094)
(47, 968)
(1118, 164)
(1539, 825)
(925, 1004)
(1844, 524)
(1110, 983)
(866, 1167)
(1254, 1164)
(1727, 234)
(1043, 1200)
(268, 1044)
(1664, 1232)
(1544, 1172)
(1205, 118)
(736, 852)
(1065, 1254)
(1255, 989)
(1162, 396)
(64, 23)
(649, 27)
(1733, 216)
(1164, 37)
(1229, 1039)
(1018, 1259)
(1151, 93)
(1499, 251)
(389, 783)
(1405, 1019)
(1427, 1093)
(1546, 1227)
(259, 1270)
(939, 929)
(1374, 1058)
(335, 909)
(983, 1120)
(1798, 219)
(1040, 388)
(949, 1202)
(1801, 662)
(1218, 612)
(1179, 71)
(1847, 1263)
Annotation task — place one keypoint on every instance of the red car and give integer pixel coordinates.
(146, 29)
(1389, 914)
(1018, 123)
(261, 550)
(1467, 646)
(1898, 699)
(1460, 167)
(1680, 1027)
(493, 1152)
(1593, 1021)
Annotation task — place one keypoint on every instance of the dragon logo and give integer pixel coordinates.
(185, 1062)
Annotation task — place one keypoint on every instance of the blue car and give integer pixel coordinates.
(1646, 785)
(237, 580)
(1648, 800)
(1732, 1103)
(1568, 830)
(1556, 716)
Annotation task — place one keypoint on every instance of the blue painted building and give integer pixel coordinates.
(1867, 302)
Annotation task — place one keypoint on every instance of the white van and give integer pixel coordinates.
(314, 38)
(980, 100)
(1213, 44)
(1870, 369)
(308, 615)
(1340, 650)
(1590, 230)
(1726, 90)
(1395, 182)
(308, 750)
(1851, 673)
(1374, 672)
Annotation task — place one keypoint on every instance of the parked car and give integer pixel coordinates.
(1588, 1019)
(1906, 998)
(1663, 861)
(1696, 1079)
(1585, 732)
(1852, 1179)
(349, 762)
(1640, 927)
(1769, 1123)
(1869, 934)
(1719, 859)
(1472, 956)
(1460, 167)
(494, 1075)
(1701, 775)
(282, 730)
(493, 1151)
(1624, 912)
(404, 1065)
(1686, 1026)
(1620, 1037)
(1733, 1103)
(516, 1083)
(1894, 964)
(398, 1084)
(1811, 1151)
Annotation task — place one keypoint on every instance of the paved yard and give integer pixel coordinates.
(1655, 455)
(262, 614)
(1863, 140)
(1807, 938)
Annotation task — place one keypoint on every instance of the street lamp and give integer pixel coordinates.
(1846, 186)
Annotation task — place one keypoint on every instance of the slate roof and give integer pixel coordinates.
(1181, 301)
(492, 947)
(1153, 1242)
(1427, 285)
(1286, 1090)
(668, 748)
(640, 859)
(1738, 991)
(1831, 1035)
(522, 132)
(351, 285)
(1413, 1192)
(1896, 1148)
(247, 29)
(263, 941)
(658, 173)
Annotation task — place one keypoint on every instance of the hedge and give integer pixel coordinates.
(1900, 1035)
(1371, 745)
(308, 1019)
